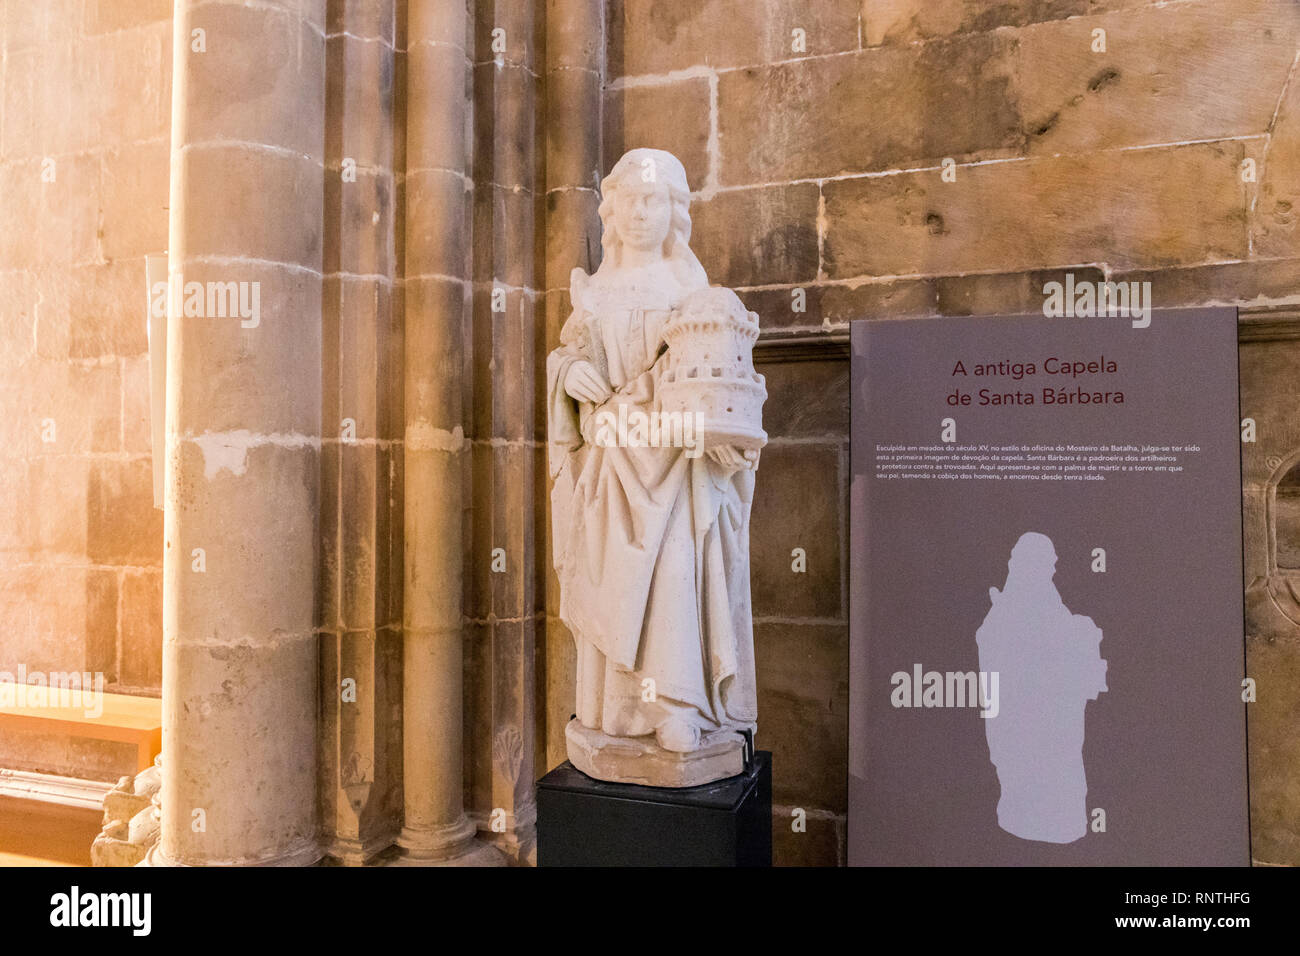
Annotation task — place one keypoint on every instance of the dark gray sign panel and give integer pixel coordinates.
(1047, 654)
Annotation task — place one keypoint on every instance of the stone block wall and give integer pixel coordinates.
(1108, 138)
(85, 106)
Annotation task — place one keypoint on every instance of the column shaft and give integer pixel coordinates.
(243, 435)
(436, 828)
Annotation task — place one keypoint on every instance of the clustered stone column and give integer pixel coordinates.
(436, 828)
(504, 596)
(243, 404)
(575, 55)
(322, 155)
(361, 493)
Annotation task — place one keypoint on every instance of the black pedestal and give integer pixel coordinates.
(586, 822)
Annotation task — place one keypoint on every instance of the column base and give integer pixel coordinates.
(349, 852)
(451, 845)
(302, 855)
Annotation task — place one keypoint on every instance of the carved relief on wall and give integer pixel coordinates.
(1273, 599)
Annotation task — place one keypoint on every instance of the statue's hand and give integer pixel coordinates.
(729, 456)
(584, 384)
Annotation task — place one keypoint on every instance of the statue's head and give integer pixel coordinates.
(645, 204)
(1033, 557)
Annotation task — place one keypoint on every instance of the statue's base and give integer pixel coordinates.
(641, 761)
(585, 822)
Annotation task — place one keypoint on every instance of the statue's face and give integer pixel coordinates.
(643, 214)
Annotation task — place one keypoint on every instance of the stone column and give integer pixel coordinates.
(243, 404)
(575, 64)
(507, 427)
(436, 829)
(361, 647)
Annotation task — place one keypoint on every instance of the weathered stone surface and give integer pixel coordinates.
(432, 70)
(359, 102)
(432, 243)
(107, 311)
(123, 526)
(242, 704)
(504, 134)
(504, 357)
(841, 303)
(504, 240)
(241, 534)
(758, 236)
(65, 756)
(60, 129)
(573, 100)
(574, 39)
(1243, 283)
(269, 206)
(134, 184)
(30, 24)
(1274, 751)
(64, 409)
(798, 504)
(907, 21)
(20, 296)
(513, 26)
(501, 491)
(561, 685)
(804, 697)
(236, 371)
(102, 599)
(573, 239)
(19, 137)
(270, 55)
(806, 399)
(108, 16)
(650, 37)
(363, 306)
(1276, 211)
(1192, 72)
(132, 85)
(54, 525)
(67, 213)
(670, 116)
(878, 109)
(43, 612)
(1141, 208)
(992, 293)
(367, 19)
(821, 843)
(13, 486)
(358, 222)
(477, 692)
(141, 634)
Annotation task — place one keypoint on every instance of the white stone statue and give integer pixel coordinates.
(655, 418)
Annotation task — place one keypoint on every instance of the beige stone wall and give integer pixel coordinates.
(821, 170)
(85, 99)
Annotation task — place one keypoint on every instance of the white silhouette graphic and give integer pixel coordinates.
(1051, 666)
